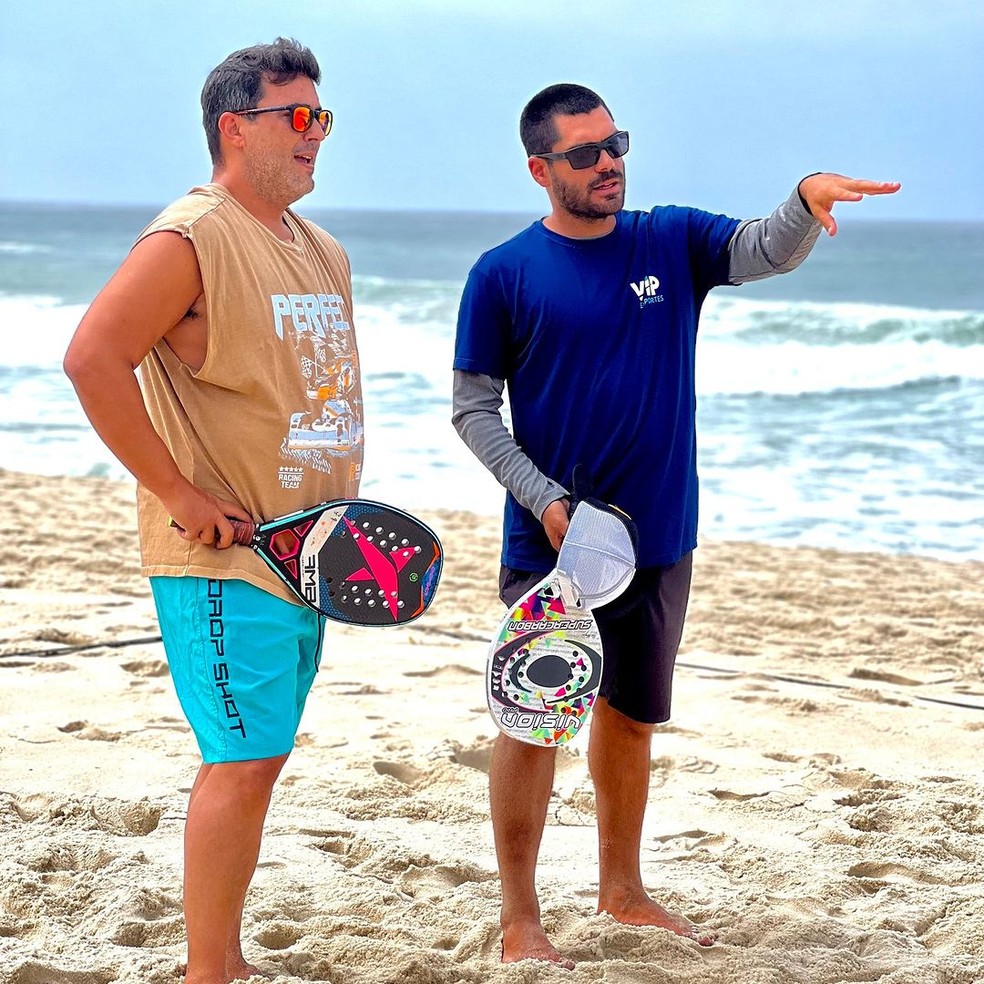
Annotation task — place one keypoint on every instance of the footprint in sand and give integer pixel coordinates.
(278, 935)
(350, 688)
(401, 771)
(437, 881)
(667, 764)
(55, 858)
(451, 670)
(871, 796)
(730, 794)
(88, 732)
(477, 756)
(121, 817)
(889, 871)
(346, 846)
(32, 972)
(147, 668)
(784, 757)
(148, 917)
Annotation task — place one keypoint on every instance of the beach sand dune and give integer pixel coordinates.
(818, 796)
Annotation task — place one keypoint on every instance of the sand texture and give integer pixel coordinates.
(818, 797)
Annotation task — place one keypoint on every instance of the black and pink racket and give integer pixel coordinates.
(352, 560)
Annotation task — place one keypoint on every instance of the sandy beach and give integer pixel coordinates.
(818, 797)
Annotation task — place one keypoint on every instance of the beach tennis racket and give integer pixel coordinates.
(352, 560)
(545, 661)
(544, 665)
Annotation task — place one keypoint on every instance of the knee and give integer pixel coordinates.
(254, 775)
(618, 723)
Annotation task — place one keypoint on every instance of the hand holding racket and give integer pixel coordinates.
(353, 560)
(545, 662)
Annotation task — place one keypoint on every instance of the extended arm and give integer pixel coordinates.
(764, 247)
(150, 293)
(477, 417)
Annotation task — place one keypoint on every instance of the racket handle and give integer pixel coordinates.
(242, 532)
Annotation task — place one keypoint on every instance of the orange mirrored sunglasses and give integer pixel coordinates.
(301, 115)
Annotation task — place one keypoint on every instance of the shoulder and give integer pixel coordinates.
(185, 213)
(682, 221)
(512, 253)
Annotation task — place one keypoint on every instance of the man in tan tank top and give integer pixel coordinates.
(238, 314)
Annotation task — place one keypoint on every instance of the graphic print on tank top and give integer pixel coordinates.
(328, 427)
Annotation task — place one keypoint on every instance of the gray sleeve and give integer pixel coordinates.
(477, 417)
(761, 248)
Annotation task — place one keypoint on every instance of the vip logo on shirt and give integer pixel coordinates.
(647, 290)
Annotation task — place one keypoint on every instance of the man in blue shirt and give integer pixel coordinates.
(590, 315)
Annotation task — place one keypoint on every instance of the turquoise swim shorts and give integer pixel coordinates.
(242, 661)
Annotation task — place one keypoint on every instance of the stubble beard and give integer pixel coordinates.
(276, 183)
(577, 202)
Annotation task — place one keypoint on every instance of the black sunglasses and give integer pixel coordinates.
(301, 115)
(587, 155)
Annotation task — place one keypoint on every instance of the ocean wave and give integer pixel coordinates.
(792, 368)
(757, 322)
(37, 329)
(23, 249)
(744, 346)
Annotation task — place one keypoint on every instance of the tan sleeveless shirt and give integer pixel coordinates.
(273, 419)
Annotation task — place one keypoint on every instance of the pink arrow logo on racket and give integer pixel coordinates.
(380, 567)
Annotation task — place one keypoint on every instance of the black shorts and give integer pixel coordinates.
(640, 635)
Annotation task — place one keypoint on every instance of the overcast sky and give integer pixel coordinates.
(728, 103)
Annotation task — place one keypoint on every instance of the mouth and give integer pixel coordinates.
(607, 185)
(306, 161)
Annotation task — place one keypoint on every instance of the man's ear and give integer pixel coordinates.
(539, 168)
(231, 129)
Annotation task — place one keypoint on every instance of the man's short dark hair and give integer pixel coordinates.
(537, 129)
(236, 83)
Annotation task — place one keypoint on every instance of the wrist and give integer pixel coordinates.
(799, 190)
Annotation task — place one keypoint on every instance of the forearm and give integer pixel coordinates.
(762, 248)
(477, 418)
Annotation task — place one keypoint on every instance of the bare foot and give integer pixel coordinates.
(527, 941)
(645, 912)
(242, 971)
(239, 971)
